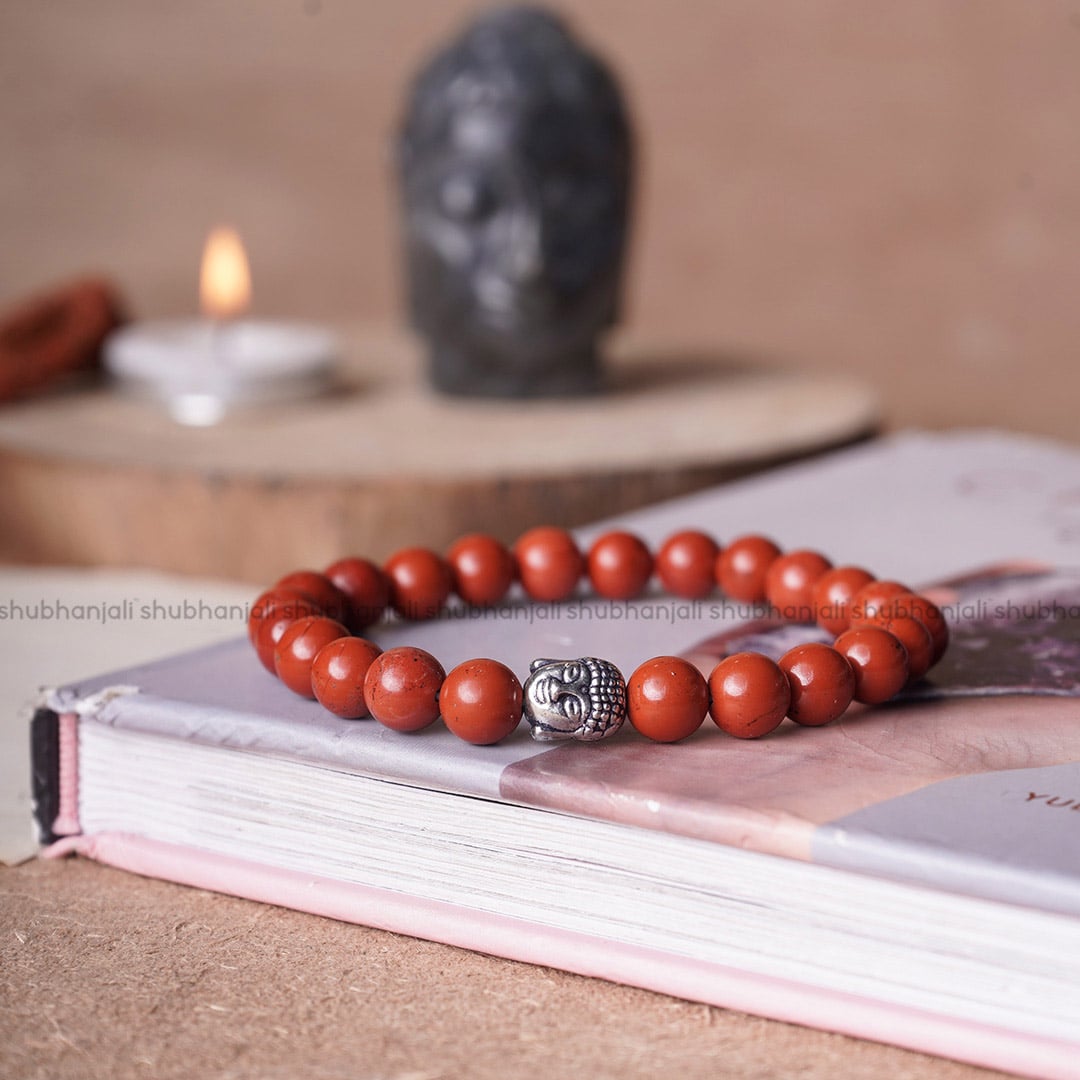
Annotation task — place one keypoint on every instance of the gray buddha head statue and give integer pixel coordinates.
(515, 166)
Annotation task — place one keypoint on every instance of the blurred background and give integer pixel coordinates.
(856, 191)
(865, 187)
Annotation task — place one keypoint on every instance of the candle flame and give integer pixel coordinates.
(225, 280)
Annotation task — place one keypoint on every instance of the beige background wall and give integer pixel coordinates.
(871, 186)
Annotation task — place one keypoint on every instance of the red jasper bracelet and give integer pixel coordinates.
(306, 631)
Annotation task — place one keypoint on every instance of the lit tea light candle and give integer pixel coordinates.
(203, 368)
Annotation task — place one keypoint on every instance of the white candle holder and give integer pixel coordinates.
(201, 369)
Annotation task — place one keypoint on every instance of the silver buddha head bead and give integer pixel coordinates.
(582, 699)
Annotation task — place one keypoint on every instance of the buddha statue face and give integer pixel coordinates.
(515, 169)
(583, 699)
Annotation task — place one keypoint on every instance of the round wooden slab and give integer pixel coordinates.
(95, 477)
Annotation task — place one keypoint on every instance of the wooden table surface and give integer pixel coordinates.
(92, 477)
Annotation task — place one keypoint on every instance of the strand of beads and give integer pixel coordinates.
(307, 629)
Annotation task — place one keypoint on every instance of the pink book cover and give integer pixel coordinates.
(968, 785)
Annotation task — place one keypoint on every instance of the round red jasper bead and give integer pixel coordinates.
(420, 582)
(337, 676)
(686, 564)
(620, 565)
(750, 695)
(480, 701)
(549, 563)
(332, 601)
(278, 614)
(270, 600)
(931, 616)
(822, 683)
(483, 569)
(741, 568)
(832, 595)
(869, 598)
(879, 661)
(912, 633)
(401, 688)
(295, 652)
(790, 581)
(366, 587)
(667, 698)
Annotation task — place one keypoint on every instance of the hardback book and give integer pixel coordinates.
(910, 873)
